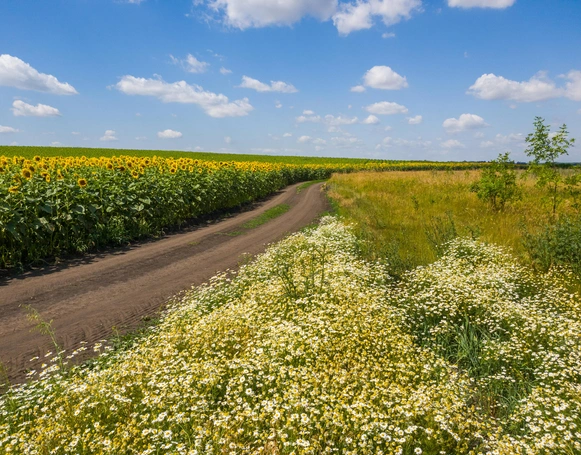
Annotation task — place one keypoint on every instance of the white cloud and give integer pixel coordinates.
(384, 78)
(388, 35)
(22, 109)
(388, 128)
(108, 136)
(308, 112)
(344, 141)
(287, 135)
(479, 135)
(329, 120)
(225, 71)
(537, 88)
(510, 138)
(573, 87)
(319, 141)
(278, 104)
(141, 138)
(16, 73)
(8, 129)
(262, 13)
(227, 139)
(191, 64)
(169, 134)
(487, 144)
(452, 144)
(360, 15)
(56, 144)
(134, 2)
(198, 149)
(318, 148)
(391, 142)
(275, 86)
(358, 89)
(463, 123)
(415, 120)
(498, 4)
(75, 133)
(214, 105)
(386, 108)
(304, 139)
(371, 120)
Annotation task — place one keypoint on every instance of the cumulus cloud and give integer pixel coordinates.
(275, 86)
(308, 112)
(371, 120)
(22, 109)
(287, 135)
(497, 4)
(537, 88)
(389, 142)
(214, 105)
(108, 136)
(360, 15)
(278, 104)
(225, 71)
(244, 14)
(191, 64)
(347, 16)
(452, 144)
(388, 35)
(415, 120)
(169, 134)
(304, 139)
(573, 87)
(358, 89)
(384, 78)
(8, 129)
(19, 74)
(463, 123)
(386, 108)
(228, 139)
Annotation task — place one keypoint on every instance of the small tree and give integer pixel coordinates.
(497, 184)
(545, 148)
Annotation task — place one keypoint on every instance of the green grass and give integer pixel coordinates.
(304, 186)
(270, 214)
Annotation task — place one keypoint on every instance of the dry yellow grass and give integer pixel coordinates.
(398, 211)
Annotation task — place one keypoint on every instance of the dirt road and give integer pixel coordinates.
(85, 299)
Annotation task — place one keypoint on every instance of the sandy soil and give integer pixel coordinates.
(87, 299)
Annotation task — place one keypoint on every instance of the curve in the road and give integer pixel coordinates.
(86, 301)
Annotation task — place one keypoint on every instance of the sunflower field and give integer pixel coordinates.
(55, 205)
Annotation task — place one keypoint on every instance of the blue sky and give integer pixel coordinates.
(390, 79)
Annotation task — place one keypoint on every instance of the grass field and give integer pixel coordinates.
(406, 216)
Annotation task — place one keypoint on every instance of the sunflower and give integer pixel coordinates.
(135, 174)
(82, 183)
(26, 173)
(172, 170)
(13, 189)
(47, 178)
(109, 166)
(37, 158)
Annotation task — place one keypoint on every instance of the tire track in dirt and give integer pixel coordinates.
(86, 299)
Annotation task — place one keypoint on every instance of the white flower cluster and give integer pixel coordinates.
(310, 350)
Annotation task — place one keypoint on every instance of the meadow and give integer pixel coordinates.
(406, 218)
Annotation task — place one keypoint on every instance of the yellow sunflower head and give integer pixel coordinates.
(82, 183)
(13, 189)
(37, 158)
(135, 174)
(26, 173)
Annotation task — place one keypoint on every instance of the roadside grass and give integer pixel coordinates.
(305, 185)
(270, 214)
(405, 217)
